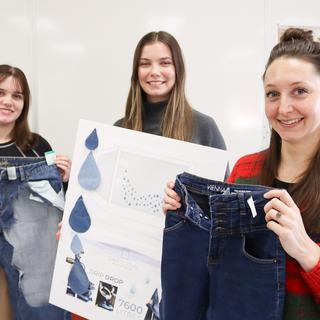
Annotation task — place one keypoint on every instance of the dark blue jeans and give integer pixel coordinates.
(31, 200)
(219, 262)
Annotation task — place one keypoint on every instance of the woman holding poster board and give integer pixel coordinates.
(157, 103)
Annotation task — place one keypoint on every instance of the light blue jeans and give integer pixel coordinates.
(31, 203)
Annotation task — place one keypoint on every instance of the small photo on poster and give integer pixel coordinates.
(106, 296)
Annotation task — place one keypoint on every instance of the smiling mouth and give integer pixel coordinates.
(155, 83)
(6, 110)
(291, 121)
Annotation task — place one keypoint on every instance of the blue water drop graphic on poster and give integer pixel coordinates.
(78, 280)
(92, 140)
(79, 219)
(76, 245)
(89, 175)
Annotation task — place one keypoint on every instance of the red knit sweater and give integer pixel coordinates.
(302, 288)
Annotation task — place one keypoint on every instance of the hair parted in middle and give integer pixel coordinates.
(21, 133)
(177, 120)
(299, 44)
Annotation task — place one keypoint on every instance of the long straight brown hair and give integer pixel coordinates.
(177, 120)
(21, 133)
(297, 43)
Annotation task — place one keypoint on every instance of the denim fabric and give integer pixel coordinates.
(92, 140)
(219, 261)
(79, 218)
(78, 280)
(28, 223)
(47, 191)
(153, 306)
(76, 245)
(89, 175)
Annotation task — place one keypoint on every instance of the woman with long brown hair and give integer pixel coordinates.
(17, 141)
(290, 164)
(157, 102)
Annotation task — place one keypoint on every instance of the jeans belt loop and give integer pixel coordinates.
(242, 215)
(22, 174)
(181, 190)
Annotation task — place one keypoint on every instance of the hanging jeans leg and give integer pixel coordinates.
(30, 210)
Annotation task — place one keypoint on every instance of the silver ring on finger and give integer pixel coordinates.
(278, 215)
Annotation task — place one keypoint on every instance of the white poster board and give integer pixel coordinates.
(121, 187)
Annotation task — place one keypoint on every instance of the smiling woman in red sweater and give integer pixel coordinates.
(292, 164)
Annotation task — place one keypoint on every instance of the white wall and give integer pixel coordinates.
(17, 44)
(78, 54)
(287, 13)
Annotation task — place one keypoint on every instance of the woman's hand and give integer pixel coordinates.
(58, 234)
(64, 164)
(283, 218)
(171, 200)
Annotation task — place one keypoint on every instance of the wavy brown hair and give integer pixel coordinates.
(297, 43)
(177, 120)
(21, 133)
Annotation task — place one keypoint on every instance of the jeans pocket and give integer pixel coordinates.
(174, 221)
(260, 246)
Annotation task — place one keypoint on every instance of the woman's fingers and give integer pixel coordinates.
(282, 203)
(275, 227)
(278, 217)
(281, 195)
(171, 200)
(58, 234)
(64, 164)
(171, 194)
(168, 207)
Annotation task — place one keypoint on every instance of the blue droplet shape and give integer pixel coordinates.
(76, 245)
(79, 219)
(78, 280)
(89, 175)
(92, 140)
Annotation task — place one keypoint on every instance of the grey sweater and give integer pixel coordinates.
(205, 130)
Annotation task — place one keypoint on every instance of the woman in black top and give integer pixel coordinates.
(16, 140)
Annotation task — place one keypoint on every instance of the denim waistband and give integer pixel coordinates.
(18, 168)
(232, 207)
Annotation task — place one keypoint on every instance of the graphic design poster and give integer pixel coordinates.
(109, 254)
